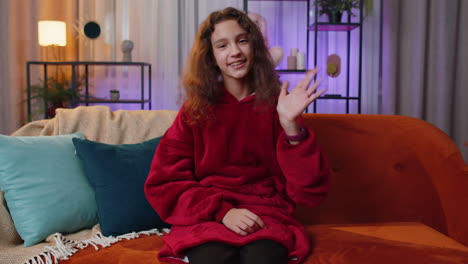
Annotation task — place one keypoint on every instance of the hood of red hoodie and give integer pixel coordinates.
(227, 98)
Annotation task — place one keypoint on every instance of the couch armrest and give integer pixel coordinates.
(390, 168)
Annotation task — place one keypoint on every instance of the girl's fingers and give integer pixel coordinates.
(316, 95)
(314, 87)
(239, 231)
(256, 219)
(304, 83)
(249, 226)
(284, 88)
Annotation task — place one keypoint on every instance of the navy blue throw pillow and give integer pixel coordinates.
(117, 174)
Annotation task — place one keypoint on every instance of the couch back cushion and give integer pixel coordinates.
(117, 174)
(385, 168)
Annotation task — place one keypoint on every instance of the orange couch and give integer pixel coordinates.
(399, 195)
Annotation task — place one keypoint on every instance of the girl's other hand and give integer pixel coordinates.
(242, 221)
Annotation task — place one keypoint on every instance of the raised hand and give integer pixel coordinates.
(242, 221)
(292, 104)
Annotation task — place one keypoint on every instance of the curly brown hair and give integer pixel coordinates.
(200, 77)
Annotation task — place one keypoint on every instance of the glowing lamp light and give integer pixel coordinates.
(52, 33)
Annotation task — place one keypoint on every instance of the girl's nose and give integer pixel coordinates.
(235, 51)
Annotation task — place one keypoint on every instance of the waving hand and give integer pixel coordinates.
(292, 104)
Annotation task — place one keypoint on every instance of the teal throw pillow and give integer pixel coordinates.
(45, 187)
(118, 174)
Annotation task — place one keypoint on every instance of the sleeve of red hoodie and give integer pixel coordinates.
(171, 187)
(305, 168)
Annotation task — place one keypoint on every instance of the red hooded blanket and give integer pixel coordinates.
(238, 158)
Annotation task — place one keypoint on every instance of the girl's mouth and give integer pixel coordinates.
(238, 64)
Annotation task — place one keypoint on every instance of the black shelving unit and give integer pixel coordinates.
(144, 68)
(317, 26)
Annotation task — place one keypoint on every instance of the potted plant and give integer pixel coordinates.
(56, 93)
(114, 95)
(335, 8)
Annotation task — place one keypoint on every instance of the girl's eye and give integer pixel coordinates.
(244, 40)
(221, 46)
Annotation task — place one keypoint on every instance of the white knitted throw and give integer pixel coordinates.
(65, 248)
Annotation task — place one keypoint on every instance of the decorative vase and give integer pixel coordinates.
(292, 62)
(300, 61)
(292, 59)
(114, 95)
(127, 47)
(334, 17)
(276, 54)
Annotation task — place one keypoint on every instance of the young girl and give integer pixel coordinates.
(229, 171)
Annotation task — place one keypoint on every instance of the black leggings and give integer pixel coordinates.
(258, 252)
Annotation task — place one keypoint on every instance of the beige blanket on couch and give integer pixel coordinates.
(97, 123)
(100, 124)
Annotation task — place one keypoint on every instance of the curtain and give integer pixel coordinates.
(16, 49)
(425, 62)
(162, 32)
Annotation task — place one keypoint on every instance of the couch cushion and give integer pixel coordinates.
(45, 187)
(383, 243)
(118, 173)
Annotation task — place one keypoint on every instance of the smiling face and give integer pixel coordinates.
(231, 50)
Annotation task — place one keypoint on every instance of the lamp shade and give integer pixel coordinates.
(52, 33)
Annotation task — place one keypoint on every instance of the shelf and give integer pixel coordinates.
(291, 71)
(323, 26)
(338, 97)
(145, 87)
(316, 49)
(89, 63)
(98, 101)
(278, 0)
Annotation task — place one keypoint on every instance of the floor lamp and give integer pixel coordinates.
(52, 37)
(52, 34)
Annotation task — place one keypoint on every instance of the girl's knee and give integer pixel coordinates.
(264, 251)
(213, 253)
